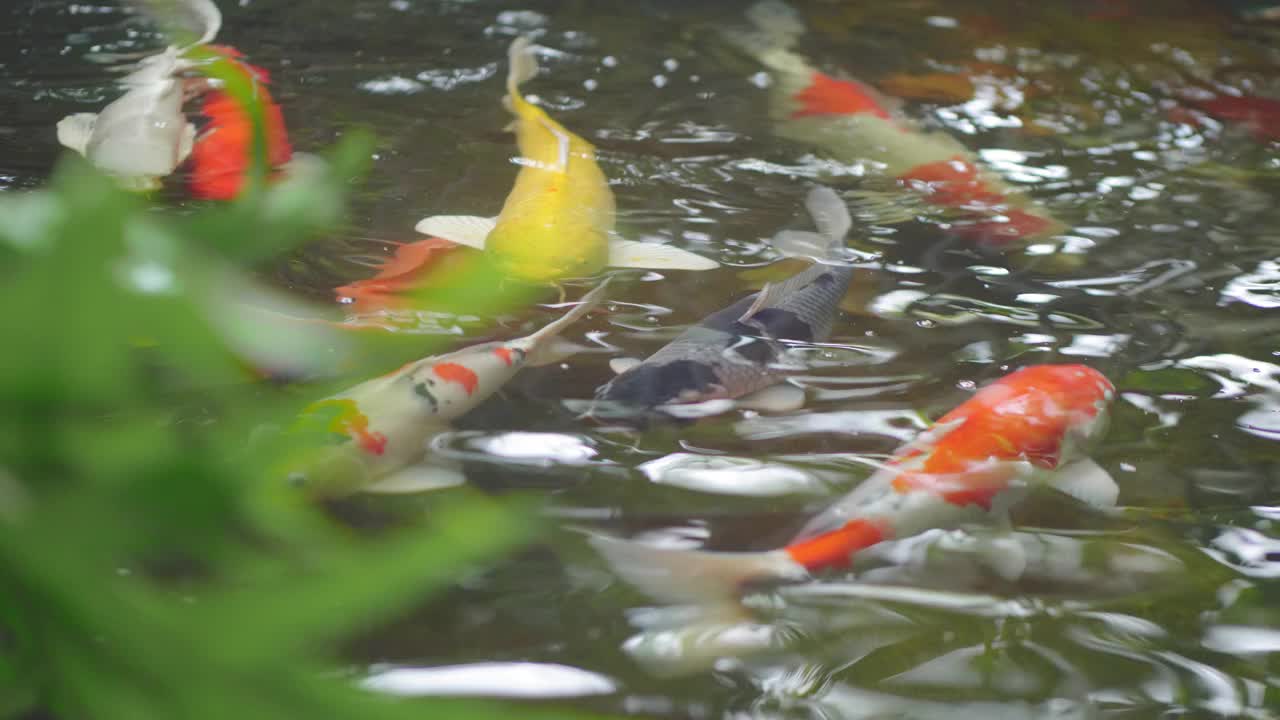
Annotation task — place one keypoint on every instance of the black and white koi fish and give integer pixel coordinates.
(739, 354)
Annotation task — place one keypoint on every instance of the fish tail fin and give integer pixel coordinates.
(830, 216)
(75, 130)
(693, 576)
(770, 32)
(524, 65)
(833, 222)
(539, 346)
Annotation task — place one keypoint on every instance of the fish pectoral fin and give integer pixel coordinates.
(469, 230)
(654, 256)
(419, 477)
(623, 364)
(695, 410)
(1087, 482)
(799, 243)
(75, 130)
(783, 397)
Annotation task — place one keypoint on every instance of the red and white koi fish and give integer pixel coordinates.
(1031, 426)
(382, 426)
(223, 153)
(143, 136)
(852, 122)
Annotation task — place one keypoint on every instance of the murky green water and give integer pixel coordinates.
(1173, 609)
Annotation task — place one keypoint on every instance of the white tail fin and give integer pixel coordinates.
(774, 25)
(524, 65)
(832, 219)
(538, 347)
(466, 230)
(691, 576)
(75, 130)
(655, 256)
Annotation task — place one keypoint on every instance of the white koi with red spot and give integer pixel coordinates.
(1029, 427)
(389, 420)
(853, 123)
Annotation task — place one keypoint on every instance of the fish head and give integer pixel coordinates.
(1048, 415)
(640, 391)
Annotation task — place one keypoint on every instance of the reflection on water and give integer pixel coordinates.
(1142, 125)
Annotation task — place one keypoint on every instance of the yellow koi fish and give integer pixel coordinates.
(557, 223)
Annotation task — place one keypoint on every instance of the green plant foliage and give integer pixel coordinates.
(151, 565)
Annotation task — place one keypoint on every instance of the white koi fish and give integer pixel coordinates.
(143, 135)
(1029, 426)
(382, 426)
(558, 221)
(852, 122)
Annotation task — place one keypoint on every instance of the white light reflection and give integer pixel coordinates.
(729, 475)
(1260, 288)
(491, 679)
(533, 448)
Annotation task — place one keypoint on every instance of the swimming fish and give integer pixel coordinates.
(143, 135)
(223, 152)
(1031, 426)
(558, 221)
(740, 352)
(852, 122)
(381, 426)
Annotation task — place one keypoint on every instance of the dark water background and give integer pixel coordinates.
(1175, 300)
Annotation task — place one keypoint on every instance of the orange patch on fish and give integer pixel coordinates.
(953, 183)
(835, 548)
(355, 424)
(222, 155)
(826, 95)
(455, 373)
(1011, 225)
(504, 354)
(404, 271)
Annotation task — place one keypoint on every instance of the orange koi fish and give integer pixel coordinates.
(223, 153)
(1259, 115)
(404, 271)
(380, 427)
(852, 122)
(1031, 426)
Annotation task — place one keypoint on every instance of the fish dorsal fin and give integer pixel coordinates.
(75, 130)
(469, 230)
(932, 436)
(773, 293)
(655, 256)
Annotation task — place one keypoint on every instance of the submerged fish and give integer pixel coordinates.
(143, 135)
(852, 122)
(382, 426)
(223, 154)
(740, 350)
(558, 221)
(1030, 426)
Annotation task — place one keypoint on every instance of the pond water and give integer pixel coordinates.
(1168, 606)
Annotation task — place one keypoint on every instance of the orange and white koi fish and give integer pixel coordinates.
(558, 221)
(223, 153)
(1031, 426)
(381, 427)
(852, 122)
(143, 135)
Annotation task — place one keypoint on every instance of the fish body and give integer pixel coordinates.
(557, 222)
(852, 122)
(381, 425)
(141, 136)
(1030, 426)
(223, 153)
(742, 349)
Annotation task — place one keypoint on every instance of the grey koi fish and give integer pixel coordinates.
(741, 352)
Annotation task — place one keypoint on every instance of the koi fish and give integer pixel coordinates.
(143, 135)
(558, 221)
(1259, 115)
(739, 352)
(1031, 426)
(223, 153)
(852, 122)
(382, 425)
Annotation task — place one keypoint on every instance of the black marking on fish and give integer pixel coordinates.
(777, 324)
(421, 390)
(650, 385)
